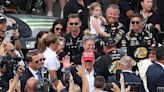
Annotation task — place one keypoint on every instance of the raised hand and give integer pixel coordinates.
(66, 62)
(80, 71)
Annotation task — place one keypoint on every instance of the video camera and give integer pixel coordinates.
(9, 62)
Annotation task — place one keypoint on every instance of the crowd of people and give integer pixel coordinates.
(87, 51)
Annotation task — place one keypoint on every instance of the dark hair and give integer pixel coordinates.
(138, 15)
(160, 53)
(58, 21)
(153, 8)
(99, 82)
(31, 53)
(39, 35)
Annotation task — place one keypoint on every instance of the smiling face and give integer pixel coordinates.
(112, 15)
(89, 45)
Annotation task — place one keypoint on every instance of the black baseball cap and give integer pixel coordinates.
(109, 41)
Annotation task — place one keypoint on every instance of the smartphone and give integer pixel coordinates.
(8, 36)
(67, 74)
(118, 72)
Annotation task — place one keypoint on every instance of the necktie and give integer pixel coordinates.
(39, 74)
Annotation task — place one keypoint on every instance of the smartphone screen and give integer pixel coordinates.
(8, 36)
(118, 72)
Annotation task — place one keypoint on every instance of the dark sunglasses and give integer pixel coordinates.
(40, 60)
(133, 22)
(73, 24)
(59, 29)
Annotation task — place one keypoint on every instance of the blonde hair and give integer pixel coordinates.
(93, 6)
(87, 36)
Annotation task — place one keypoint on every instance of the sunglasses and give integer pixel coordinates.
(73, 24)
(40, 60)
(133, 22)
(59, 29)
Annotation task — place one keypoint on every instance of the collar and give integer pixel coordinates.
(33, 71)
(129, 71)
(162, 65)
(92, 71)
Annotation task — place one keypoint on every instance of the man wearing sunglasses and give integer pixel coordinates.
(35, 60)
(74, 37)
(137, 35)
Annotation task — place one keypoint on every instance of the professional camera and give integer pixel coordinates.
(43, 85)
(9, 62)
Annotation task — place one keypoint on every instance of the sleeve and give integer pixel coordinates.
(52, 63)
(161, 80)
(156, 18)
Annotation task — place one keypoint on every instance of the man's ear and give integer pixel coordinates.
(80, 23)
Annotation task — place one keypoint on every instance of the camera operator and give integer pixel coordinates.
(15, 84)
(35, 61)
(8, 62)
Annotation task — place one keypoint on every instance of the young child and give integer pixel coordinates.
(97, 21)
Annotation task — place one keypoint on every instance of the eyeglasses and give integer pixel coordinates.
(40, 60)
(133, 22)
(57, 29)
(73, 24)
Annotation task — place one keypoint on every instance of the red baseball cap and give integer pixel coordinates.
(88, 56)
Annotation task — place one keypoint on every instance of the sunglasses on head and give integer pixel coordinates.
(73, 24)
(59, 29)
(40, 60)
(133, 22)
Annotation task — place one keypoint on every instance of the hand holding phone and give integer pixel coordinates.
(8, 36)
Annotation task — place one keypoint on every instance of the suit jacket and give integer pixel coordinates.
(155, 77)
(129, 78)
(25, 76)
(77, 78)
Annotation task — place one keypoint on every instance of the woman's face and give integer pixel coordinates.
(89, 45)
(147, 4)
(58, 30)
